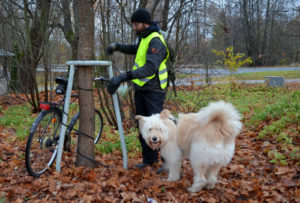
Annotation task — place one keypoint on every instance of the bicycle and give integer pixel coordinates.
(42, 143)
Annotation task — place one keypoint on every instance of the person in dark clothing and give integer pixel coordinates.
(149, 74)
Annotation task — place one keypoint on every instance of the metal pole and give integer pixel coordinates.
(119, 121)
(66, 109)
(64, 118)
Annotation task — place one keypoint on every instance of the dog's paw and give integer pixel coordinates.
(211, 183)
(194, 189)
(210, 186)
(172, 179)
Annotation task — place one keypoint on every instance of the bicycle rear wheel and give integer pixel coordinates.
(98, 125)
(42, 143)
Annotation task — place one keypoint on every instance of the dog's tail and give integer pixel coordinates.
(225, 114)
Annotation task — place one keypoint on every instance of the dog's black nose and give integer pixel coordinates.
(154, 139)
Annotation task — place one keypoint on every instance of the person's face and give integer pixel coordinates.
(139, 27)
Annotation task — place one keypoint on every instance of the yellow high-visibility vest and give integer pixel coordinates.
(140, 61)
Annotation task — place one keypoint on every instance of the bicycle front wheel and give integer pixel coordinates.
(98, 125)
(42, 143)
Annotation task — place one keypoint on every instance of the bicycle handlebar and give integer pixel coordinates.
(102, 79)
(62, 84)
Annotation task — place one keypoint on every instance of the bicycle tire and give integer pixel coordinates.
(98, 125)
(43, 138)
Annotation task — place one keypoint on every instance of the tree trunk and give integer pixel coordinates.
(246, 27)
(70, 30)
(178, 27)
(165, 15)
(270, 38)
(105, 28)
(85, 145)
(205, 20)
(155, 4)
(143, 3)
(45, 46)
(267, 19)
(70, 34)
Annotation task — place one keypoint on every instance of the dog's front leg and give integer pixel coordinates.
(165, 167)
(174, 171)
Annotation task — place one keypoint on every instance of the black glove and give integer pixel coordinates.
(111, 48)
(115, 82)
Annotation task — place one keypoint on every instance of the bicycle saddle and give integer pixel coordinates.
(62, 85)
(61, 81)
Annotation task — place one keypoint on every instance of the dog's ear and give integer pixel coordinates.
(138, 117)
(165, 114)
(140, 120)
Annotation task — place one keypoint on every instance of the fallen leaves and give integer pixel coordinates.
(283, 170)
(12, 99)
(297, 193)
(250, 177)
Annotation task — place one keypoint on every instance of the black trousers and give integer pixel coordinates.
(146, 104)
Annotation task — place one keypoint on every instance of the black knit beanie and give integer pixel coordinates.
(142, 16)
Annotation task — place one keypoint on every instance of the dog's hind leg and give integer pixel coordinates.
(199, 180)
(200, 168)
(212, 176)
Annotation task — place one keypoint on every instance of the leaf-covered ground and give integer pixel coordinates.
(250, 176)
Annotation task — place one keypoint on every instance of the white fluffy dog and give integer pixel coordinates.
(207, 138)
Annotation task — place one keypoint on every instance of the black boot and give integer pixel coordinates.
(141, 165)
(161, 169)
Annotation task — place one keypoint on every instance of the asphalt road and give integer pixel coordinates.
(221, 71)
(218, 72)
(185, 83)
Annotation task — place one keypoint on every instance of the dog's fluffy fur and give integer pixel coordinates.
(207, 138)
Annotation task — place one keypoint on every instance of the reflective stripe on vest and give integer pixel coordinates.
(140, 61)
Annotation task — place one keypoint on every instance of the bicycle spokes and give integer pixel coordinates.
(42, 143)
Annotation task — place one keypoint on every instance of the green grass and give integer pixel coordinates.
(244, 98)
(2, 199)
(276, 110)
(185, 75)
(277, 158)
(19, 118)
(258, 101)
(286, 108)
(261, 75)
(111, 142)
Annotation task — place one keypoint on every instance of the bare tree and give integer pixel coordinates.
(266, 30)
(30, 20)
